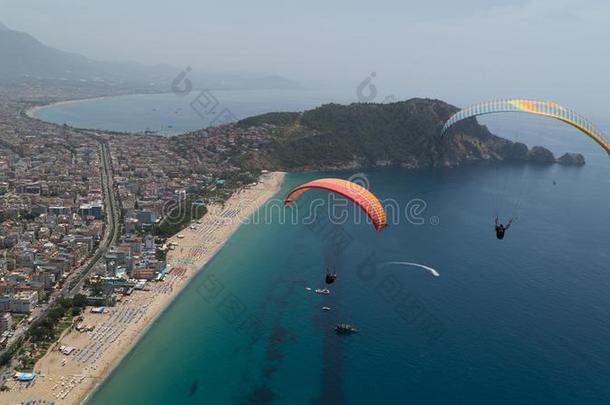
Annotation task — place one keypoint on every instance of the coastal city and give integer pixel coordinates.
(89, 241)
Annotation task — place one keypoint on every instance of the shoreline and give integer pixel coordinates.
(74, 378)
(30, 111)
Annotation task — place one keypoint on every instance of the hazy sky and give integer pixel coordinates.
(460, 51)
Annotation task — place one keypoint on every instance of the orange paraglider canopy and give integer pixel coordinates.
(358, 194)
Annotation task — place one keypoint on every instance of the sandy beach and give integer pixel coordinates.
(31, 112)
(69, 379)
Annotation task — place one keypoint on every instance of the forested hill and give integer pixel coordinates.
(403, 134)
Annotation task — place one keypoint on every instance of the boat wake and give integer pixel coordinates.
(430, 269)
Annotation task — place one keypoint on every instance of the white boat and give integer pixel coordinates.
(325, 291)
(307, 288)
(325, 308)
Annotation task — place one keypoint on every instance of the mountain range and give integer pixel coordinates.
(26, 60)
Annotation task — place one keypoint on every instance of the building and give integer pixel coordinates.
(143, 274)
(46, 278)
(131, 225)
(5, 303)
(146, 217)
(23, 302)
(56, 211)
(29, 188)
(5, 322)
(94, 209)
(149, 242)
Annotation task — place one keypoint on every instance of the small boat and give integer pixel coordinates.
(345, 329)
(325, 308)
(324, 291)
(307, 288)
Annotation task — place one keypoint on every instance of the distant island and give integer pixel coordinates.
(363, 135)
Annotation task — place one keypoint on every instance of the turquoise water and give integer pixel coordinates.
(171, 114)
(523, 320)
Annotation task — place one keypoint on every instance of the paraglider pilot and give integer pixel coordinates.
(330, 277)
(501, 228)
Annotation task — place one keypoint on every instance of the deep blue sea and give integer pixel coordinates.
(525, 320)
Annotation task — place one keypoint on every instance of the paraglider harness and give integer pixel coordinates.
(330, 277)
(501, 229)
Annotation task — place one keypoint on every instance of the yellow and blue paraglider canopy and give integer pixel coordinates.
(544, 108)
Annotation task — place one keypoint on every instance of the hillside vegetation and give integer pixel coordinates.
(359, 135)
(403, 134)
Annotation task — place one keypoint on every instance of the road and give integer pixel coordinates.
(111, 236)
